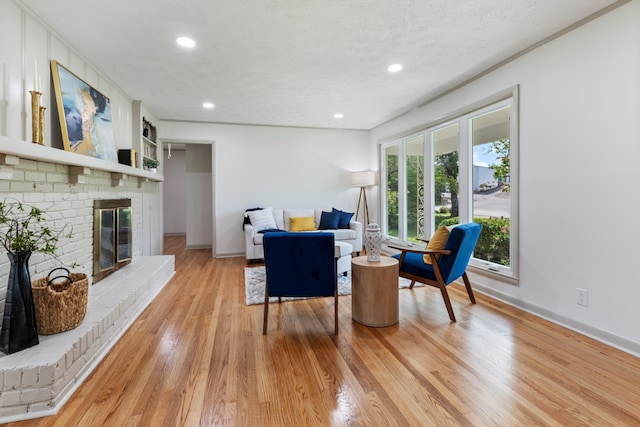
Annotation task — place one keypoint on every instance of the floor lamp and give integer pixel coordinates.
(363, 179)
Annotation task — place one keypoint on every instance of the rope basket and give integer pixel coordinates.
(60, 301)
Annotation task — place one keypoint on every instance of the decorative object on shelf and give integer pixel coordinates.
(37, 125)
(60, 301)
(363, 179)
(23, 230)
(145, 127)
(373, 242)
(84, 114)
(151, 164)
(128, 157)
(148, 130)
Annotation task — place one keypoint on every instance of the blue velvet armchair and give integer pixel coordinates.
(300, 265)
(446, 265)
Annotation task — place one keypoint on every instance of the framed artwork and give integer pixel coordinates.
(85, 116)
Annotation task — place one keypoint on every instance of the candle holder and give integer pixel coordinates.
(41, 125)
(35, 116)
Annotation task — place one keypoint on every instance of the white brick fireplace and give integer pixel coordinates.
(37, 381)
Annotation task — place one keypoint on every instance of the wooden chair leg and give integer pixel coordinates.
(266, 311)
(413, 282)
(447, 302)
(467, 285)
(335, 320)
(335, 293)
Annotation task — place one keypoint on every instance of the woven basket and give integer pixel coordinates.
(60, 301)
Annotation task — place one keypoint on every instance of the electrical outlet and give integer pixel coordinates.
(582, 297)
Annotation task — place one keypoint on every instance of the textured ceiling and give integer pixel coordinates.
(297, 62)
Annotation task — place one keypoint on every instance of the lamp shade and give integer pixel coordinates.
(363, 179)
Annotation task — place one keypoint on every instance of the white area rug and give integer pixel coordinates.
(254, 285)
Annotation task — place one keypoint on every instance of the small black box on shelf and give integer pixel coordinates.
(127, 157)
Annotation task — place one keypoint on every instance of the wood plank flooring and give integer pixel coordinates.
(197, 357)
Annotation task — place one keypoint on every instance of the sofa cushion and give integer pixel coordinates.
(246, 220)
(343, 249)
(257, 238)
(342, 234)
(302, 223)
(262, 220)
(287, 214)
(329, 220)
(345, 218)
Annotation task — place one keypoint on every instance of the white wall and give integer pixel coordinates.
(579, 174)
(275, 166)
(199, 196)
(22, 36)
(175, 193)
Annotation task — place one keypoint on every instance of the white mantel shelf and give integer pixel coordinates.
(42, 153)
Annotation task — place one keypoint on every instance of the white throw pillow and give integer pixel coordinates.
(262, 220)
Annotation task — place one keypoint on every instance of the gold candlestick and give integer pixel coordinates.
(35, 116)
(41, 125)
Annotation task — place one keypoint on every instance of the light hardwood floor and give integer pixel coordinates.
(197, 357)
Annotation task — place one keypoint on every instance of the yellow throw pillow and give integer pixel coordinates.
(302, 223)
(438, 241)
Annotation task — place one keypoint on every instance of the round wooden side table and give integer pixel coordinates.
(374, 287)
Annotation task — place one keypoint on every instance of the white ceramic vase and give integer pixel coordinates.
(373, 242)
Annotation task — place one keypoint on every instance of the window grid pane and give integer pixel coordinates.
(414, 177)
(391, 169)
(446, 177)
(491, 206)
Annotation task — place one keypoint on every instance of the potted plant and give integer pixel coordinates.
(23, 230)
(151, 164)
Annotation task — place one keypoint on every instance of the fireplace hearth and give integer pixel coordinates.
(112, 236)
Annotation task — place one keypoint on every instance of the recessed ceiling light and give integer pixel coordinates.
(208, 105)
(338, 115)
(185, 42)
(394, 68)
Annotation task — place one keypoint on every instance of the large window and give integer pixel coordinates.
(457, 171)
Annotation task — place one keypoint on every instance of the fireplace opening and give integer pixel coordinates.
(112, 236)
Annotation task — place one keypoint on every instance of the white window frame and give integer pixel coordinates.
(462, 117)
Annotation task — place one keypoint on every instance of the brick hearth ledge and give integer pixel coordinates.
(37, 382)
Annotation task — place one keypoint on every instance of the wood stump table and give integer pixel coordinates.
(374, 287)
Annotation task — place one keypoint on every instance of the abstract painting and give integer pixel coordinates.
(85, 116)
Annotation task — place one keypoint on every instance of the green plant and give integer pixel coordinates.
(493, 243)
(150, 163)
(24, 228)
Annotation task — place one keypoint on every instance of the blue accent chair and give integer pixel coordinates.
(451, 265)
(300, 265)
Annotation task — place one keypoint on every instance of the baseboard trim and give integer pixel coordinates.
(197, 247)
(229, 254)
(597, 334)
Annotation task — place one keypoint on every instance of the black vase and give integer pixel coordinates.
(19, 329)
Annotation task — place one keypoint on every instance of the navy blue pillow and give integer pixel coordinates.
(329, 220)
(345, 218)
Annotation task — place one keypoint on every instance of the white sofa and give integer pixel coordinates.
(253, 241)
